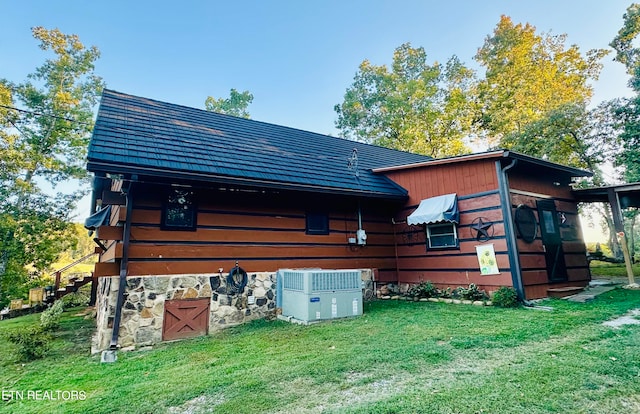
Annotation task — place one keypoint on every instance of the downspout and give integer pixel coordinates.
(395, 245)
(512, 243)
(124, 261)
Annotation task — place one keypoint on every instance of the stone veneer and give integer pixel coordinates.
(143, 312)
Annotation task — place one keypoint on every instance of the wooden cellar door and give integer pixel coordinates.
(185, 318)
(552, 240)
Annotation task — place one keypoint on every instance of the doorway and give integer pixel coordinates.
(552, 241)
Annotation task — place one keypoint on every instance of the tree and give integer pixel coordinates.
(628, 110)
(235, 105)
(570, 134)
(413, 106)
(45, 129)
(527, 77)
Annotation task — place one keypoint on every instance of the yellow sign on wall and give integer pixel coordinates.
(487, 260)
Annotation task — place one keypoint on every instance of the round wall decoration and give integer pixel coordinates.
(481, 229)
(526, 223)
(237, 279)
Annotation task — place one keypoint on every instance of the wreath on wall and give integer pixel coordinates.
(237, 279)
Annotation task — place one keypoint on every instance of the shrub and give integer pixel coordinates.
(75, 299)
(33, 342)
(50, 318)
(505, 297)
(471, 293)
(446, 293)
(424, 290)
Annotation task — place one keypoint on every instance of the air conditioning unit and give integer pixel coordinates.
(315, 295)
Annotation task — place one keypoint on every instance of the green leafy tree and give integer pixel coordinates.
(45, 129)
(628, 110)
(529, 77)
(236, 104)
(412, 106)
(572, 135)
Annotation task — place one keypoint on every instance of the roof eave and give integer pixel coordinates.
(574, 172)
(97, 166)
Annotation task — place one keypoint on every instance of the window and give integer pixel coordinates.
(179, 212)
(317, 223)
(442, 235)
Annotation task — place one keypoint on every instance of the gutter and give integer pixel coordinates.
(512, 243)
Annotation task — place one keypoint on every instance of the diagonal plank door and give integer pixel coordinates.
(185, 318)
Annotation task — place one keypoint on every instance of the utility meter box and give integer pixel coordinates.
(315, 295)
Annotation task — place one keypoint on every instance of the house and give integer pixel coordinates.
(517, 210)
(195, 212)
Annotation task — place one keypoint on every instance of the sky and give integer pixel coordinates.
(297, 58)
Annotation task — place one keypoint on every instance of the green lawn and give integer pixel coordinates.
(605, 269)
(398, 357)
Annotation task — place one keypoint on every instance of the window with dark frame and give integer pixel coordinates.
(317, 223)
(442, 236)
(179, 210)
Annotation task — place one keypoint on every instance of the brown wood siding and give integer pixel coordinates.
(540, 182)
(465, 179)
(264, 233)
(476, 184)
(526, 189)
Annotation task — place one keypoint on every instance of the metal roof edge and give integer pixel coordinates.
(576, 172)
(156, 172)
(440, 161)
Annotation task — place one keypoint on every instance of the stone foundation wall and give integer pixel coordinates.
(143, 312)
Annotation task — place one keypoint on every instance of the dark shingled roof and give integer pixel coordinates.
(152, 138)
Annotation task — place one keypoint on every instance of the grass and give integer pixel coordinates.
(606, 269)
(398, 357)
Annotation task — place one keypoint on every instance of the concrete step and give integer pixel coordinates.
(562, 292)
(590, 293)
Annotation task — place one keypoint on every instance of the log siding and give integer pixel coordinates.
(270, 236)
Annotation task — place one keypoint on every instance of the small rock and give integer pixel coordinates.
(191, 293)
(478, 303)
(395, 297)
(434, 300)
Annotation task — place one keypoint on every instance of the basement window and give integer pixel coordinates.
(442, 236)
(317, 223)
(179, 211)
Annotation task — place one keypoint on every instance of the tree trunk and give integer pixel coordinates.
(616, 250)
